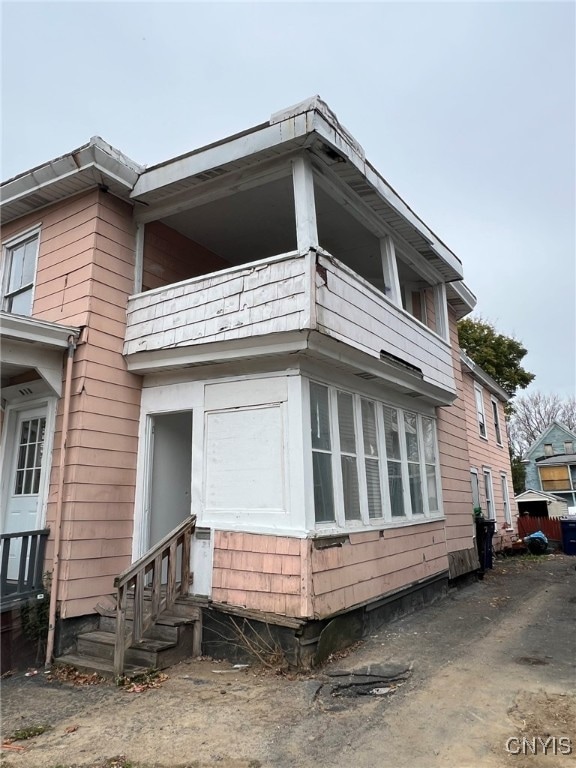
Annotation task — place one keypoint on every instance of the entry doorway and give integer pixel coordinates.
(170, 473)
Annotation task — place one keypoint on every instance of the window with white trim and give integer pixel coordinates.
(506, 499)
(475, 488)
(496, 419)
(371, 462)
(20, 268)
(480, 410)
(489, 493)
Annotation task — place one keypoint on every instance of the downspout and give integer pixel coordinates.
(60, 503)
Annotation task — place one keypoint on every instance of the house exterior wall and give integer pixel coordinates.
(486, 453)
(169, 257)
(455, 471)
(85, 272)
(370, 564)
(264, 573)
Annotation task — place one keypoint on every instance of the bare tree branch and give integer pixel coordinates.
(533, 413)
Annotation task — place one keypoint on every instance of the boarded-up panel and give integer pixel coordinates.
(244, 460)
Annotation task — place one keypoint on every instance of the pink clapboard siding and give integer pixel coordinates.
(102, 446)
(486, 452)
(170, 257)
(260, 572)
(375, 563)
(454, 462)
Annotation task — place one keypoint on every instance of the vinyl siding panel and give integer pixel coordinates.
(369, 566)
(259, 572)
(454, 461)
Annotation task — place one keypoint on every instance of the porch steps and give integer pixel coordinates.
(176, 635)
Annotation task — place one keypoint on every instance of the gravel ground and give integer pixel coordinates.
(492, 662)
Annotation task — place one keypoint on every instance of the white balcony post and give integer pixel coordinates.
(390, 270)
(305, 207)
(441, 307)
(139, 257)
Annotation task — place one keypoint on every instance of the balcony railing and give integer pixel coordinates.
(286, 293)
(21, 566)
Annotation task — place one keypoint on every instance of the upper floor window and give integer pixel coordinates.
(548, 449)
(496, 418)
(555, 478)
(480, 411)
(569, 446)
(19, 270)
(370, 461)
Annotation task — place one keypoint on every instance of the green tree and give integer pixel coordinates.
(500, 356)
(518, 472)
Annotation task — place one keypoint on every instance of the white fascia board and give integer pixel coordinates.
(222, 153)
(484, 378)
(98, 155)
(464, 293)
(340, 143)
(28, 329)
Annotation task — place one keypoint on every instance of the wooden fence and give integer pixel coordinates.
(550, 526)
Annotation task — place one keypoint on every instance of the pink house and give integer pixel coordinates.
(488, 449)
(231, 386)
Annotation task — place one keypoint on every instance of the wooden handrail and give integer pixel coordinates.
(162, 595)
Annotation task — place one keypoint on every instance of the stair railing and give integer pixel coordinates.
(170, 555)
(26, 580)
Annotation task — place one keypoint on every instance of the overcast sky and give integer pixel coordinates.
(467, 109)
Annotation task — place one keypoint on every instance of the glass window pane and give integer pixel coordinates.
(391, 430)
(350, 486)
(396, 492)
(24, 430)
(21, 303)
(373, 486)
(369, 428)
(19, 488)
(346, 423)
(29, 262)
(319, 417)
(27, 481)
(36, 481)
(323, 491)
(415, 489)
(16, 268)
(22, 457)
(428, 435)
(431, 488)
(410, 424)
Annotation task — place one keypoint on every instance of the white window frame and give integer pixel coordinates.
(506, 499)
(489, 493)
(8, 246)
(496, 420)
(386, 519)
(568, 446)
(474, 474)
(480, 411)
(548, 449)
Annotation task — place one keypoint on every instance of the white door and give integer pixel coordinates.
(25, 453)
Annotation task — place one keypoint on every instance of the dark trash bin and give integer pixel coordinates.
(568, 528)
(484, 532)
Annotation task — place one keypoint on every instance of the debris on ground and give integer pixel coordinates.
(68, 674)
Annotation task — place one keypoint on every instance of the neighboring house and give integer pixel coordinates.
(490, 470)
(261, 333)
(551, 463)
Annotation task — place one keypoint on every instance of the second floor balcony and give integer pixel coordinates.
(312, 303)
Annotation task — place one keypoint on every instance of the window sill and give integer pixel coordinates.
(378, 525)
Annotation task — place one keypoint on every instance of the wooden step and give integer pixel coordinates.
(101, 666)
(150, 653)
(165, 628)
